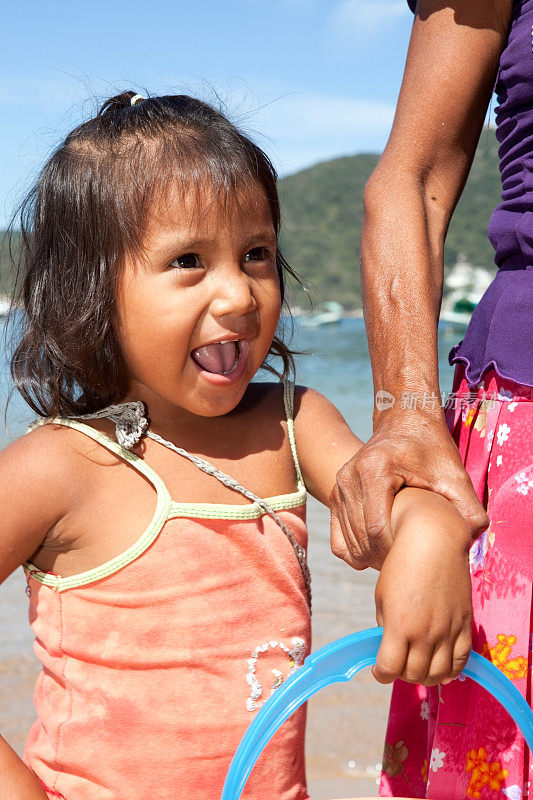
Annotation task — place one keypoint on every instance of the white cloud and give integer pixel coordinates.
(301, 129)
(364, 17)
(329, 115)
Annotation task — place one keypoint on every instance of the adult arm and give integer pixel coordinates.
(409, 200)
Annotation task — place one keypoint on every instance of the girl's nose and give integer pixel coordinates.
(233, 296)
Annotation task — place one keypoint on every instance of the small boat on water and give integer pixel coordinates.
(460, 311)
(328, 313)
(5, 305)
(464, 287)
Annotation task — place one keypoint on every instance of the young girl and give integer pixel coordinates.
(168, 599)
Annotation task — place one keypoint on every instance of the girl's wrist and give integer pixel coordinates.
(421, 510)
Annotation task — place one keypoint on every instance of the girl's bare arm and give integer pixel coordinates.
(18, 782)
(324, 441)
(38, 483)
(423, 595)
(409, 200)
(34, 494)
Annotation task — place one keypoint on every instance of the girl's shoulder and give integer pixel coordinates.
(288, 400)
(59, 445)
(311, 406)
(45, 452)
(41, 473)
(324, 440)
(266, 404)
(52, 459)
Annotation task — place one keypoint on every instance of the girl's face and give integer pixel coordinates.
(197, 312)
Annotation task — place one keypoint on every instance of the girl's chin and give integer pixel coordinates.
(216, 398)
(218, 407)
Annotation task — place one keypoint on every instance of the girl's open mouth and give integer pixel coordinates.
(222, 358)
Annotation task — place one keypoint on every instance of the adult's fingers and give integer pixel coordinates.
(338, 544)
(430, 459)
(366, 486)
(458, 489)
(377, 497)
(350, 516)
(365, 504)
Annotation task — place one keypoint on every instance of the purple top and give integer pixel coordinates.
(500, 333)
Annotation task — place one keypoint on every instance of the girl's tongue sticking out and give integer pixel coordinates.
(218, 358)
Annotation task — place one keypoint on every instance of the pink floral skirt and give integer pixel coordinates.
(456, 742)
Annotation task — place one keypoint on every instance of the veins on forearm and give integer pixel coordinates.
(401, 278)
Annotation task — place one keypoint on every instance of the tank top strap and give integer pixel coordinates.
(288, 401)
(164, 499)
(231, 483)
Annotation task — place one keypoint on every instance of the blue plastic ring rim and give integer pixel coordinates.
(340, 661)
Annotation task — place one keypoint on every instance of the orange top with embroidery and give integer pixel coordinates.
(155, 662)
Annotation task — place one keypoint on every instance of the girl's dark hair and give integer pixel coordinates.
(87, 211)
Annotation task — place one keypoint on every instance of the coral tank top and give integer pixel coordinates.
(154, 663)
(500, 334)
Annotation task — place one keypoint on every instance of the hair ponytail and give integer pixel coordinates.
(117, 103)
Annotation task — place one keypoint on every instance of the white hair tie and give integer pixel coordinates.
(136, 98)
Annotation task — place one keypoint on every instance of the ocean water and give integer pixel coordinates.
(347, 721)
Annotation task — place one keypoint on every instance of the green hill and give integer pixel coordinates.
(6, 270)
(322, 211)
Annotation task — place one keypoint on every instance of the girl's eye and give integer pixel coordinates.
(258, 254)
(187, 261)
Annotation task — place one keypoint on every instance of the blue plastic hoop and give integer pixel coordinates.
(340, 661)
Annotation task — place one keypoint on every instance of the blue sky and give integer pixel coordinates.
(309, 79)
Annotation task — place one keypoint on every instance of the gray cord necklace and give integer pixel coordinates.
(131, 425)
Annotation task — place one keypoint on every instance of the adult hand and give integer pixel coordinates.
(411, 448)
